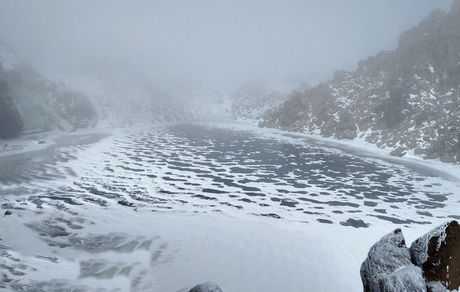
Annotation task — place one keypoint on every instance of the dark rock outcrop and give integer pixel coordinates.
(431, 264)
(408, 98)
(388, 267)
(206, 287)
(11, 123)
(438, 254)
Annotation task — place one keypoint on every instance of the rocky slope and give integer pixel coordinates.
(30, 101)
(10, 120)
(407, 99)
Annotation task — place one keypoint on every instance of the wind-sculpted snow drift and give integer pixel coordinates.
(407, 99)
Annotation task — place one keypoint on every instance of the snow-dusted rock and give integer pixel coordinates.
(436, 287)
(388, 266)
(206, 287)
(408, 278)
(438, 254)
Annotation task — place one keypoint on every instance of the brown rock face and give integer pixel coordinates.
(438, 254)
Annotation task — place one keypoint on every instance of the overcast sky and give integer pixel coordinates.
(210, 43)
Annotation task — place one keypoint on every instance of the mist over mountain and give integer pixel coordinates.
(167, 61)
(212, 145)
(407, 99)
(32, 102)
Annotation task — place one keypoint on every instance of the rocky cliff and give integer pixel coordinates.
(407, 99)
(11, 123)
(30, 101)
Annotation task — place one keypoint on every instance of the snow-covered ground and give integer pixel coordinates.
(164, 208)
(183, 250)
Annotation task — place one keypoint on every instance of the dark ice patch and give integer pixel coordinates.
(356, 223)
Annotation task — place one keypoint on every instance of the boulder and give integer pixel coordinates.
(206, 287)
(435, 287)
(388, 267)
(438, 254)
(408, 278)
(399, 152)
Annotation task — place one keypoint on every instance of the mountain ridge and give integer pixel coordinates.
(30, 101)
(407, 99)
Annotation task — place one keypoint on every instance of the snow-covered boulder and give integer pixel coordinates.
(438, 254)
(436, 287)
(388, 267)
(408, 278)
(206, 287)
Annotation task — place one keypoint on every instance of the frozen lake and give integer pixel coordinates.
(164, 208)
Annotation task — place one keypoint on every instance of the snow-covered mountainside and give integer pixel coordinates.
(33, 102)
(407, 99)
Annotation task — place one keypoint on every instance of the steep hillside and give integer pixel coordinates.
(34, 102)
(11, 123)
(407, 99)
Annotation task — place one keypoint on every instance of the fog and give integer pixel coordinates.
(203, 43)
(217, 145)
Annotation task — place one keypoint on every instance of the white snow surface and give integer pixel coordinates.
(239, 255)
(176, 249)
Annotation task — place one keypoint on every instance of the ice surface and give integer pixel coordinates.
(164, 208)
